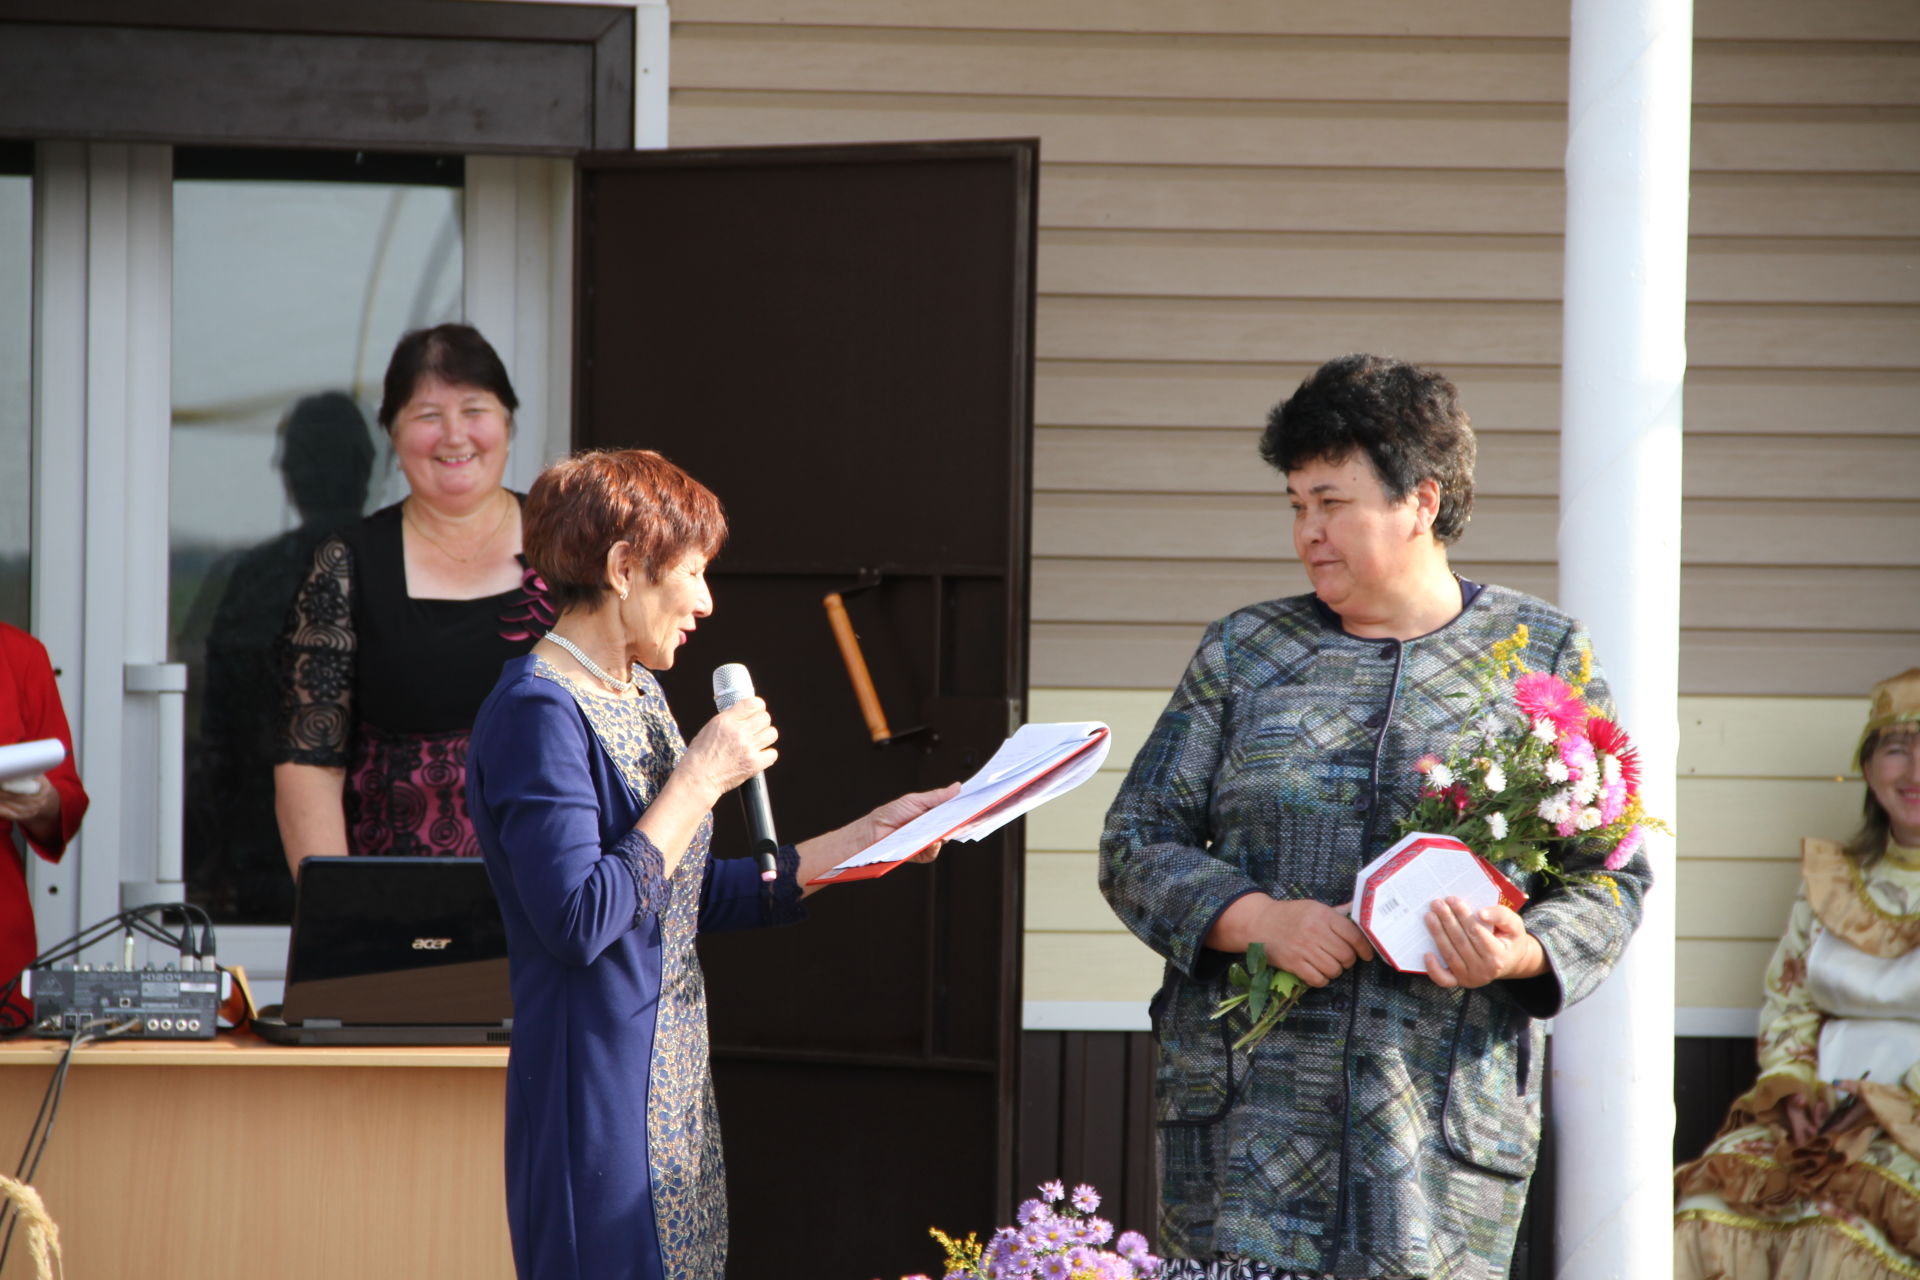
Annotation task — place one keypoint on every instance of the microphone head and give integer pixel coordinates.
(730, 684)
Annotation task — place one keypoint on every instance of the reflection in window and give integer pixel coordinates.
(16, 390)
(288, 296)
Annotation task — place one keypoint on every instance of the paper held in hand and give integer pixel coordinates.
(1037, 763)
(1392, 893)
(21, 763)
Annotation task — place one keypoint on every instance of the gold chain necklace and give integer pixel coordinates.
(406, 513)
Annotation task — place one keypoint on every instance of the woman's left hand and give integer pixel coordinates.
(1476, 948)
(897, 813)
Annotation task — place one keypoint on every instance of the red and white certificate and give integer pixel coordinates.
(1392, 893)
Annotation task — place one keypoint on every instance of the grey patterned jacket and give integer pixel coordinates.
(1388, 1127)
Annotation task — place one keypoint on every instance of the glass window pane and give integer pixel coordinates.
(16, 396)
(287, 299)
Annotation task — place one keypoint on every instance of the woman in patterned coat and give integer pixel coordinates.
(1388, 1127)
(594, 819)
(1800, 1185)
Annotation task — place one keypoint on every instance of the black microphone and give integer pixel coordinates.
(731, 683)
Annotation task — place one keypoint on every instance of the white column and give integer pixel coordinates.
(1623, 367)
(652, 41)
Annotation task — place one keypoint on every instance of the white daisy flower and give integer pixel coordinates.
(1556, 808)
(1440, 776)
(1543, 729)
(1586, 791)
(1610, 769)
(1557, 770)
(1490, 729)
(1587, 819)
(1497, 825)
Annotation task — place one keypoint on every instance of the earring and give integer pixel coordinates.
(623, 593)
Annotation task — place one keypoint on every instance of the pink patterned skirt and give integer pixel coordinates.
(406, 795)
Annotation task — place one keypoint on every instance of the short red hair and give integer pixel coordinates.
(581, 506)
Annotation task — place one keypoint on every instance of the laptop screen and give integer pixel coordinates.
(397, 942)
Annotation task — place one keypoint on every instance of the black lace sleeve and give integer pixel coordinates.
(316, 653)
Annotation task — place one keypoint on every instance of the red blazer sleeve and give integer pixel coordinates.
(42, 716)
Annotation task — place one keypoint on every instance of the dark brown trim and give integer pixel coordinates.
(570, 23)
(408, 75)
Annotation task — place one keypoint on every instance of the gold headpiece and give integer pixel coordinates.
(1896, 700)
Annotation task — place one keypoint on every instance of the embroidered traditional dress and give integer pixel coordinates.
(613, 1145)
(1842, 1003)
(1388, 1127)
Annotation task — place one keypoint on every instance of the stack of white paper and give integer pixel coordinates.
(1037, 763)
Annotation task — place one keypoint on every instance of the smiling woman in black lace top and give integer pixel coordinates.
(405, 618)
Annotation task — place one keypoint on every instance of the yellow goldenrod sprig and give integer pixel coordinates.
(962, 1255)
(1506, 653)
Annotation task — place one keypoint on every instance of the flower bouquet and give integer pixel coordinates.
(1536, 766)
(1046, 1243)
(1519, 794)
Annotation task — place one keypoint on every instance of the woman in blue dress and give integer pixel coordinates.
(594, 819)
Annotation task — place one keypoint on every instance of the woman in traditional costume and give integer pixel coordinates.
(1816, 1173)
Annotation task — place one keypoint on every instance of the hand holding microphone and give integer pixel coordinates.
(732, 686)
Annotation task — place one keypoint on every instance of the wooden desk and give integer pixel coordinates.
(215, 1160)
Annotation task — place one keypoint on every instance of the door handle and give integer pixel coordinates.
(167, 683)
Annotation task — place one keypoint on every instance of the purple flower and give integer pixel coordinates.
(1029, 1210)
(1056, 1268)
(1018, 1262)
(1099, 1231)
(1054, 1191)
(1132, 1245)
(1081, 1258)
(1085, 1198)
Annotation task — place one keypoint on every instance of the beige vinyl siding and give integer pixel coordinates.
(1231, 192)
(1234, 190)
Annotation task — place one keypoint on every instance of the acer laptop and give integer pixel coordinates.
(393, 951)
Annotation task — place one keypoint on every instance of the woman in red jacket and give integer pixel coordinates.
(47, 816)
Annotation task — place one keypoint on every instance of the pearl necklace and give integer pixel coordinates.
(593, 668)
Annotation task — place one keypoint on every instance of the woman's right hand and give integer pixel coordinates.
(730, 748)
(1311, 940)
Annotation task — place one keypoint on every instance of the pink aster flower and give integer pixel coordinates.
(1547, 697)
(1085, 1198)
(1628, 846)
(1613, 800)
(1577, 754)
(1053, 1191)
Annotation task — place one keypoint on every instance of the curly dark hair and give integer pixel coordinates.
(1405, 419)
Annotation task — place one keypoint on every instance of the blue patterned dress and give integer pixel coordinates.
(613, 1144)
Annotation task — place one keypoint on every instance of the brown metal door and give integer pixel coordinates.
(838, 341)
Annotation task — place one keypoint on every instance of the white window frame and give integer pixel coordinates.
(102, 410)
